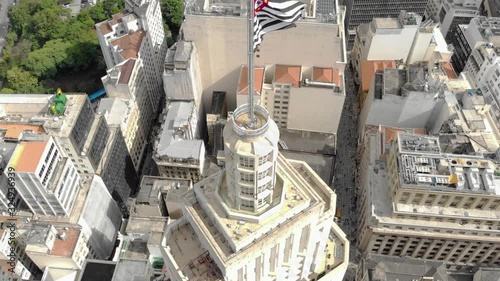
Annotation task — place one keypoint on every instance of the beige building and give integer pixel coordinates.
(297, 98)
(261, 218)
(419, 202)
(221, 41)
(176, 151)
(48, 245)
(129, 106)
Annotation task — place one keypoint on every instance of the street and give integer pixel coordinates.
(345, 181)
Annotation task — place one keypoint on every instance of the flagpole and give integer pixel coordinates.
(250, 66)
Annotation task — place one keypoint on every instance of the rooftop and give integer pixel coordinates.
(144, 225)
(126, 71)
(393, 81)
(258, 78)
(15, 131)
(175, 140)
(131, 270)
(422, 165)
(386, 23)
(369, 68)
(106, 26)
(27, 156)
(326, 75)
(151, 187)
(63, 247)
(130, 44)
(114, 109)
(134, 250)
(288, 75)
(384, 210)
(94, 270)
(392, 268)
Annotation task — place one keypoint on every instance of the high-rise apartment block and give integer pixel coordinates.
(452, 13)
(137, 33)
(129, 106)
(480, 30)
(483, 68)
(363, 11)
(419, 202)
(81, 135)
(262, 218)
(45, 179)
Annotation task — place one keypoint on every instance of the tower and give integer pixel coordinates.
(251, 153)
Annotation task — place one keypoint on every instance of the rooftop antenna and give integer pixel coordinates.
(250, 15)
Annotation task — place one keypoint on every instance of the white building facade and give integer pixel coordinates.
(263, 218)
(46, 180)
(137, 32)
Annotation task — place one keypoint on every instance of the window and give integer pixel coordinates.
(247, 177)
(247, 203)
(247, 162)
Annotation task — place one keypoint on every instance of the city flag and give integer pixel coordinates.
(275, 15)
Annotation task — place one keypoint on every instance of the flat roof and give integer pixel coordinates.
(387, 23)
(96, 270)
(288, 74)
(30, 154)
(115, 108)
(394, 80)
(173, 140)
(145, 224)
(14, 131)
(131, 270)
(258, 80)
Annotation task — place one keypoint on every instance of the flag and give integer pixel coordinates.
(275, 15)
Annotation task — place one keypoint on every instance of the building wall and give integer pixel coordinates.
(360, 11)
(315, 109)
(118, 172)
(412, 111)
(34, 187)
(221, 42)
(102, 215)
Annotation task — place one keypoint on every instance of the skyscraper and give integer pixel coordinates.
(262, 218)
(363, 11)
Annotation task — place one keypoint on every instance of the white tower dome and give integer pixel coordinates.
(251, 151)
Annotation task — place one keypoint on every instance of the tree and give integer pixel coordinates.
(22, 81)
(173, 14)
(7, 91)
(44, 62)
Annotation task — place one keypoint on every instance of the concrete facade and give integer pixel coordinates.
(262, 218)
(221, 41)
(445, 214)
(125, 84)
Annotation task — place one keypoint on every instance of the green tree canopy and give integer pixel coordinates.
(22, 81)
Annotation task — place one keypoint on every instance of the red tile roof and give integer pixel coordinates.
(126, 71)
(105, 26)
(448, 69)
(369, 68)
(130, 44)
(66, 247)
(258, 80)
(288, 74)
(326, 75)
